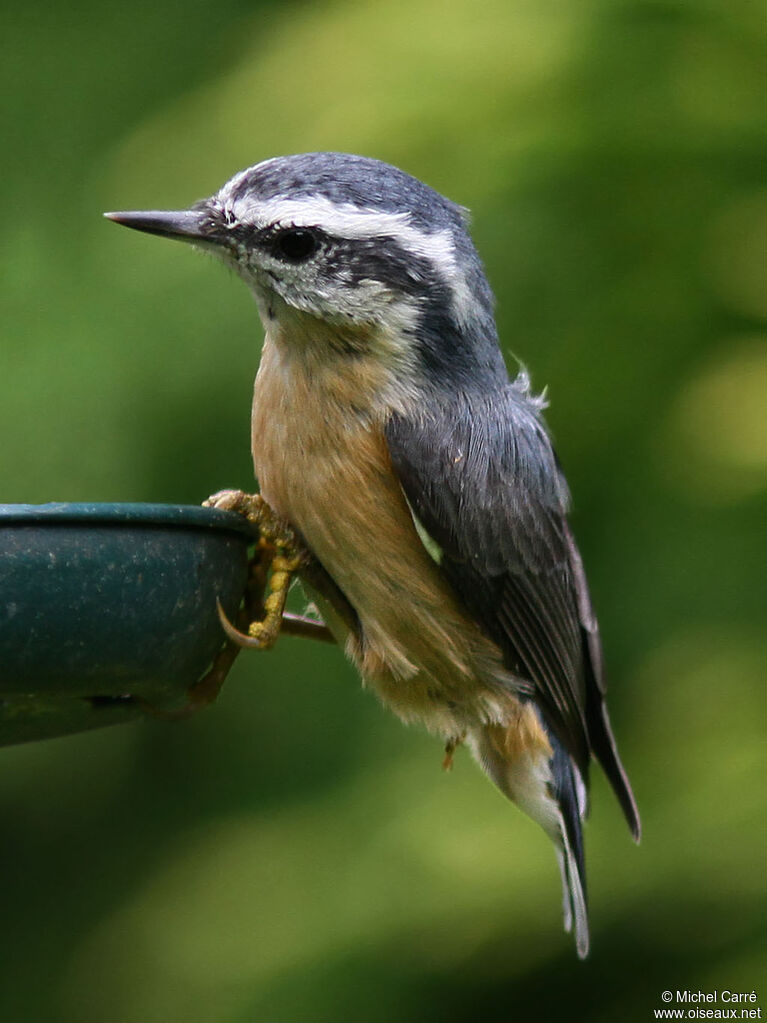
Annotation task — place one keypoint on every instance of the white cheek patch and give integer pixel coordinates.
(397, 315)
(345, 220)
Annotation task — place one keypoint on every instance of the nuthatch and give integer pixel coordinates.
(387, 433)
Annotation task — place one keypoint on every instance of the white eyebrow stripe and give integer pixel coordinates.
(345, 220)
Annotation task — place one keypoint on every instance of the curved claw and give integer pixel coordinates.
(240, 638)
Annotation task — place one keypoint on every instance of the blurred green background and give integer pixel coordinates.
(294, 853)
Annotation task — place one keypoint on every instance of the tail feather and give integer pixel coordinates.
(549, 790)
(565, 790)
(574, 906)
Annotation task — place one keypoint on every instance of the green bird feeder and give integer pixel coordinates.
(108, 611)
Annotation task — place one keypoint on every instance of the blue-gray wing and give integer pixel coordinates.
(482, 479)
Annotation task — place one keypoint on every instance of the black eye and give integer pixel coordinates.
(296, 244)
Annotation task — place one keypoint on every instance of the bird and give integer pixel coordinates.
(419, 475)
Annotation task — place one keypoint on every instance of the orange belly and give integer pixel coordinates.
(326, 469)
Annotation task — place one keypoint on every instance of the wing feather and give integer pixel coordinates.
(480, 474)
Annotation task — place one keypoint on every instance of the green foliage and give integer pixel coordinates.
(294, 854)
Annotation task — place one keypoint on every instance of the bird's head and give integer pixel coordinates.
(353, 243)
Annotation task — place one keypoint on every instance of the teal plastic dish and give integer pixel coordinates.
(105, 608)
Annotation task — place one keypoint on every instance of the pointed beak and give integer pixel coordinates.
(184, 225)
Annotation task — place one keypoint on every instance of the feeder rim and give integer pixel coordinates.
(126, 513)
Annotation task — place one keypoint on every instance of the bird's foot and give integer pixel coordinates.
(262, 633)
(450, 747)
(265, 522)
(279, 555)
